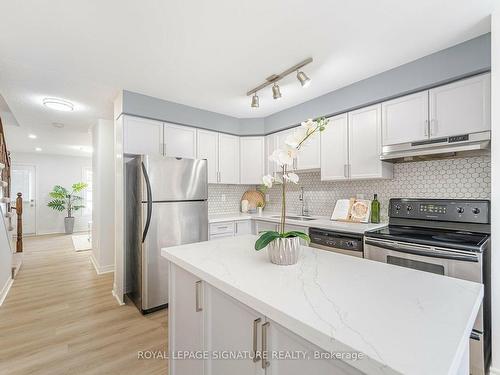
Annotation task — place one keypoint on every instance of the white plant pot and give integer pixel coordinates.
(284, 251)
(69, 224)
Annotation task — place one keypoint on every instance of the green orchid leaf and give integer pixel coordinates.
(294, 233)
(265, 239)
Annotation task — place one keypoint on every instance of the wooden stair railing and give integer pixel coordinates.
(5, 176)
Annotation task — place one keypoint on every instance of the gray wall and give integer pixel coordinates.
(462, 60)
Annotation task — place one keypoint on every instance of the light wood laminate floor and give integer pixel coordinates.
(60, 318)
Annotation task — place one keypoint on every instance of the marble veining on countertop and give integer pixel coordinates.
(404, 321)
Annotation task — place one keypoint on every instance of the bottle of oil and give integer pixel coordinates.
(375, 212)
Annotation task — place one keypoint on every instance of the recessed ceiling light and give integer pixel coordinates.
(58, 104)
(38, 149)
(32, 136)
(57, 125)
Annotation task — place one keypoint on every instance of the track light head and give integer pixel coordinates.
(255, 101)
(303, 78)
(276, 91)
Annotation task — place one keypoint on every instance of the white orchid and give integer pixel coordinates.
(291, 177)
(310, 126)
(284, 156)
(268, 180)
(296, 138)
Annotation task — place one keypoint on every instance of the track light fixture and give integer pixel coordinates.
(276, 91)
(273, 80)
(255, 101)
(303, 78)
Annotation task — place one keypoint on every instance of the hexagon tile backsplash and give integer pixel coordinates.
(448, 178)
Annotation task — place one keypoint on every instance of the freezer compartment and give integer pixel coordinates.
(174, 179)
(171, 224)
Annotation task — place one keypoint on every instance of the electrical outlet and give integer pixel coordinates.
(223, 197)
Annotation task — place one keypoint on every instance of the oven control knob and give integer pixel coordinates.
(349, 244)
(397, 207)
(476, 211)
(409, 208)
(460, 210)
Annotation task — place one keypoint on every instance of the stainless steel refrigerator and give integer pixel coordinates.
(166, 205)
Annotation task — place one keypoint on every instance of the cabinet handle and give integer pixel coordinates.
(265, 362)
(426, 128)
(256, 355)
(197, 286)
(345, 171)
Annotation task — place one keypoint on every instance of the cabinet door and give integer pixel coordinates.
(334, 149)
(208, 148)
(251, 160)
(281, 340)
(142, 136)
(405, 119)
(232, 327)
(229, 159)
(262, 226)
(271, 144)
(185, 318)
(180, 141)
(365, 144)
(461, 107)
(242, 227)
(310, 153)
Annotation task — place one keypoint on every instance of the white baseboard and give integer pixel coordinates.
(5, 290)
(120, 302)
(98, 269)
(494, 371)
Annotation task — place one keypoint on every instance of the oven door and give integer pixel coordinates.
(453, 263)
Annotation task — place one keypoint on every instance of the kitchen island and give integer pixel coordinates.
(329, 314)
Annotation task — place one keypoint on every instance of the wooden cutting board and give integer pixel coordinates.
(253, 197)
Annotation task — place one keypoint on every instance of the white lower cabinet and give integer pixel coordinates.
(185, 320)
(205, 320)
(230, 228)
(262, 226)
(242, 227)
(281, 342)
(232, 328)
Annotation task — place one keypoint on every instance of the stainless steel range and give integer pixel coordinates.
(449, 237)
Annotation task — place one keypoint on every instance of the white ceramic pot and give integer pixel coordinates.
(284, 251)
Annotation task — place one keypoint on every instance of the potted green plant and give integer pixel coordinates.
(283, 247)
(69, 200)
(260, 207)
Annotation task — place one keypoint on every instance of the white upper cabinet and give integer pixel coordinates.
(180, 141)
(251, 160)
(229, 159)
(271, 144)
(142, 136)
(310, 153)
(334, 149)
(461, 107)
(405, 119)
(365, 144)
(208, 148)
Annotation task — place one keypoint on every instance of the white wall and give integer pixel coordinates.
(495, 189)
(5, 258)
(54, 170)
(103, 223)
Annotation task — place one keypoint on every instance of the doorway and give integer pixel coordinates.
(23, 180)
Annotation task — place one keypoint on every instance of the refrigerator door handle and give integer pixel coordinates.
(149, 202)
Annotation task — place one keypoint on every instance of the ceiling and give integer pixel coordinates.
(207, 54)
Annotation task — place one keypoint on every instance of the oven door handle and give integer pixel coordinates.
(414, 251)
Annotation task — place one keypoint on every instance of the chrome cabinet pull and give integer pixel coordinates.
(426, 128)
(256, 355)
(345, 171)
(197, 286)
(433, 128)
(265, 362)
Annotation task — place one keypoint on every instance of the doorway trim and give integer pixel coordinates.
(37, 198)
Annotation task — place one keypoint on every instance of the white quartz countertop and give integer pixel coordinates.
(322, 222)
(404, 321)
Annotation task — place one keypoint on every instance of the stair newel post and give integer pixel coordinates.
(19, 212)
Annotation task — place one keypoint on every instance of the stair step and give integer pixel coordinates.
(5, 200)
(3, 183)
(2, 166)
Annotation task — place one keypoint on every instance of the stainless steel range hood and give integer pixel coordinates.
(436, 148)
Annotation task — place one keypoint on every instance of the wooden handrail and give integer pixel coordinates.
(19, 214)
